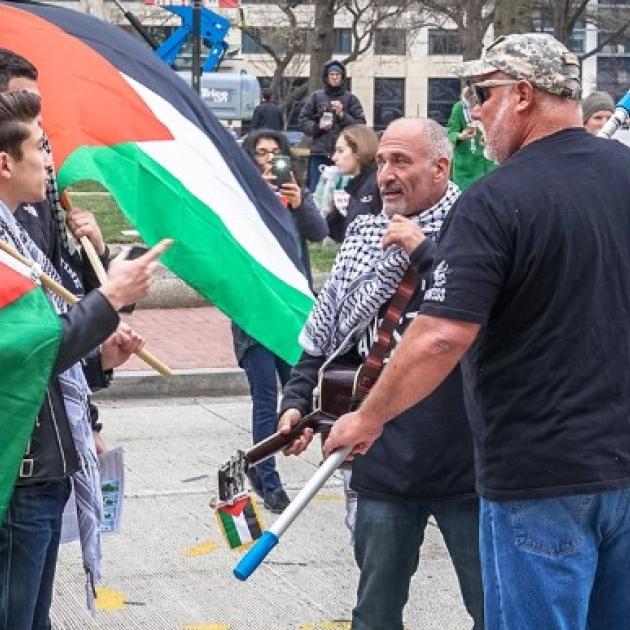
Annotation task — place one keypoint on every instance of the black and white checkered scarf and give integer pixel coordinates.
(363, 278)
(52, 194)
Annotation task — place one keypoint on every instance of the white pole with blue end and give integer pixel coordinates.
(621, 116)
(270, 538)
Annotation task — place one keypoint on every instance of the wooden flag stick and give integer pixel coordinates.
(71, 298)
(148, 357)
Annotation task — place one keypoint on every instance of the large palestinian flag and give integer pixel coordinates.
(116, 114)
(29, 341)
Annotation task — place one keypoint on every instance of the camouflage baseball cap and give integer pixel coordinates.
(536, 57)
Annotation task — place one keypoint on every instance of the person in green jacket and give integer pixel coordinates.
(469, 163)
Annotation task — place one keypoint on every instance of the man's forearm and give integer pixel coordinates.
(428, 352)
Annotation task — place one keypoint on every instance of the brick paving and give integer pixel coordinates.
(183, 337)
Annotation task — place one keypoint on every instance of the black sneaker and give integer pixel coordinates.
(276, 501)
(254, 480)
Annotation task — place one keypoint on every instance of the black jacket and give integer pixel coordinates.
(51, 453)
(37, 219)
(319, 102)
(267, 115)
(365, 198)
(425, 453)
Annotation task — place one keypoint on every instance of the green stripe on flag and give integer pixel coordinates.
(29, 343)
(205, 254)
(230, 529)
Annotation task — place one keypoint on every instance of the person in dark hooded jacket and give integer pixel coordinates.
(324, 114)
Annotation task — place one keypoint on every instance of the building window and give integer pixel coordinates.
(277, 39)
(613, 75)
(249, 45)
(542, 22)
(444, 42)
(443, 94)
(390, 41)
(343, 41)
(389, 101)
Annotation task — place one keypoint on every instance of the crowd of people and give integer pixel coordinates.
(503, 411)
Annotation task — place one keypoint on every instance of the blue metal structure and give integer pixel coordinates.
(214, 29)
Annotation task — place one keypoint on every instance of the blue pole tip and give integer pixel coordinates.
(254, 557)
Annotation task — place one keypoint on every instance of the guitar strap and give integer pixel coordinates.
(373, 364)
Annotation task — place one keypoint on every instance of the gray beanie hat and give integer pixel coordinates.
(596, 102)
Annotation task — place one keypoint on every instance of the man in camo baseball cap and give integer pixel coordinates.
(535, 57)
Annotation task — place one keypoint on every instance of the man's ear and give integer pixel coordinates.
(6, 165)
(525, 92)
(442, 167)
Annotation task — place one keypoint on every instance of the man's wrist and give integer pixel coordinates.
(112, 296)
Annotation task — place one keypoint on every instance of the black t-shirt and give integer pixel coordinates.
(538, 253)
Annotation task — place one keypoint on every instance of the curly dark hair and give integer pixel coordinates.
(252, 139)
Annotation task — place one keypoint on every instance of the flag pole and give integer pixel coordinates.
(149, 358)
(196, 45)
(619, 117)
(270, 538)
(71, 298)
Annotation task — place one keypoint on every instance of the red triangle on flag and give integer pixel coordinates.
(13, 285)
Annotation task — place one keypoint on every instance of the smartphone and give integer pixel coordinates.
(135, 251)
(281, 168)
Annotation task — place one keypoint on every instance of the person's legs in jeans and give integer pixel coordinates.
(260, 367)
(29, 540)
(609, 605)
(538, 559)
(459, 524)
(388, 536)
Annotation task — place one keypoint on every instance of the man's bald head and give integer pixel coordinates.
(414, 159)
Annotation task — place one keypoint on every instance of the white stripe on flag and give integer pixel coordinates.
(15, 264)
(197, 163)
(241, 527)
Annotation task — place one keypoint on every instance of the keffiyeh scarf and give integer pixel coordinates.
(75, 390)
(52, 194)
(363, 278)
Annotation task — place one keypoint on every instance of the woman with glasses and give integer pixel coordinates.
(464, 131)
(262, 366)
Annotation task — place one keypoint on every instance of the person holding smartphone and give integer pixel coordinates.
(269, 150)
(325, 114)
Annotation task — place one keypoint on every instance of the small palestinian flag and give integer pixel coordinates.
(31, 332)
(239, 521)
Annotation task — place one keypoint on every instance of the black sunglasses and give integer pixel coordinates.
(482, 90)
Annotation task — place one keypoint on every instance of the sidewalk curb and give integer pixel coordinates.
(195, 382)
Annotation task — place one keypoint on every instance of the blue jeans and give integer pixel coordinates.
(557, 563)
(388, 537)
(314, 162)
(261, 366)
(29, 541)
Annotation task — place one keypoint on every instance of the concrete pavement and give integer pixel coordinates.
(170, 569)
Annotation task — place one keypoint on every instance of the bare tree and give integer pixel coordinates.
(288, 41)
(282, 42)
(562, 18)
(512, 16)
(471, 18)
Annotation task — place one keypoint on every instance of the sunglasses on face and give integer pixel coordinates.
(482, 90)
